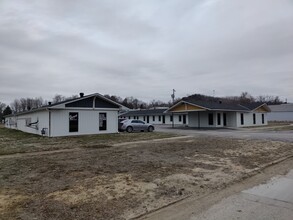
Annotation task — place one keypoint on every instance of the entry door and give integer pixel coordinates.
(163, 119)
(224, 119)
(184, 119)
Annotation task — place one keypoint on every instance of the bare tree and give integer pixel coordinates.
(23, 104)
(2, 107)
(38, 102)
(58, 98)
(245, 97)
(273, 100)
(15, 105)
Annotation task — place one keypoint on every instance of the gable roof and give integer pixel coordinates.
(61, 105)
(219, 105)
(255, 105)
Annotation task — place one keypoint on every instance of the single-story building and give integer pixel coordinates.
(156, 116)
(215, 114)
(91, 114)
(283, 112)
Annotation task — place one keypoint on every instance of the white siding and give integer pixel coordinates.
(201, 119)
(88, 122)
(231, 119)
(158, 122)
(248, 119)
(193, 119)
(43, 122)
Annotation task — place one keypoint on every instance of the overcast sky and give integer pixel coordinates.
(145, 48)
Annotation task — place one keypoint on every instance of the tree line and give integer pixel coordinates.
(26, 104)
(244, 98)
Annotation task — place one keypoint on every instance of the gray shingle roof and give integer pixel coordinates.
(216, 105)
(144, 112)
(222, 105)
(282, 108)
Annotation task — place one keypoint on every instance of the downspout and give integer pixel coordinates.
(49, 123)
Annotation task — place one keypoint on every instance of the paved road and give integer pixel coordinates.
(273, 200)
(265, 196)
(248, 133)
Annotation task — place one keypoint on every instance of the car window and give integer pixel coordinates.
(141, 122)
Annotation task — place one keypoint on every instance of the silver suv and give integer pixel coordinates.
(136, 125)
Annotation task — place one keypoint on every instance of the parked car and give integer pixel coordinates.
(136, 125)
(120, 123)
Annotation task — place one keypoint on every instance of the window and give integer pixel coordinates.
(211, 119)
(171, 117)
(154, 118)
(263, 118)
(102, 121)
(184, 119)
(159, 117)
(179, 117)
(225, 119)
(137, 122)
(219, 118)
(144, 118)
(254, 119)
(73, 121)
(242, 118)
(129, 117)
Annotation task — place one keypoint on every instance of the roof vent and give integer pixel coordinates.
(81, 94)
(49, 103)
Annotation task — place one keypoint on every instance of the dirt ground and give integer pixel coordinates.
(123, 182)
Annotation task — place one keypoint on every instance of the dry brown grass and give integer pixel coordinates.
(14, 141)
(126, 181)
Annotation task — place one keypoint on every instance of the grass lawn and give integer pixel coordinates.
(14, 141)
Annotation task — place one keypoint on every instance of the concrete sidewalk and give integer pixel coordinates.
(272, 200)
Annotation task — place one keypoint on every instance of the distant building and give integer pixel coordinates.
(156, 116)
(91, 114)
(283, 112)
(216, 114)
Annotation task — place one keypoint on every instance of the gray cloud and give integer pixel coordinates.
(49, 47)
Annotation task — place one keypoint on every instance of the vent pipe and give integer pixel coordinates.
(81, 94)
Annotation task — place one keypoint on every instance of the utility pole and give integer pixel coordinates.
(173, 96)
(173, 99)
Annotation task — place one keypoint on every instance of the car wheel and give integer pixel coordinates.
(151, 129)
(129, 129)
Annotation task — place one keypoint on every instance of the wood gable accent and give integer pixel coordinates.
(261, 109)
(186, 107)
